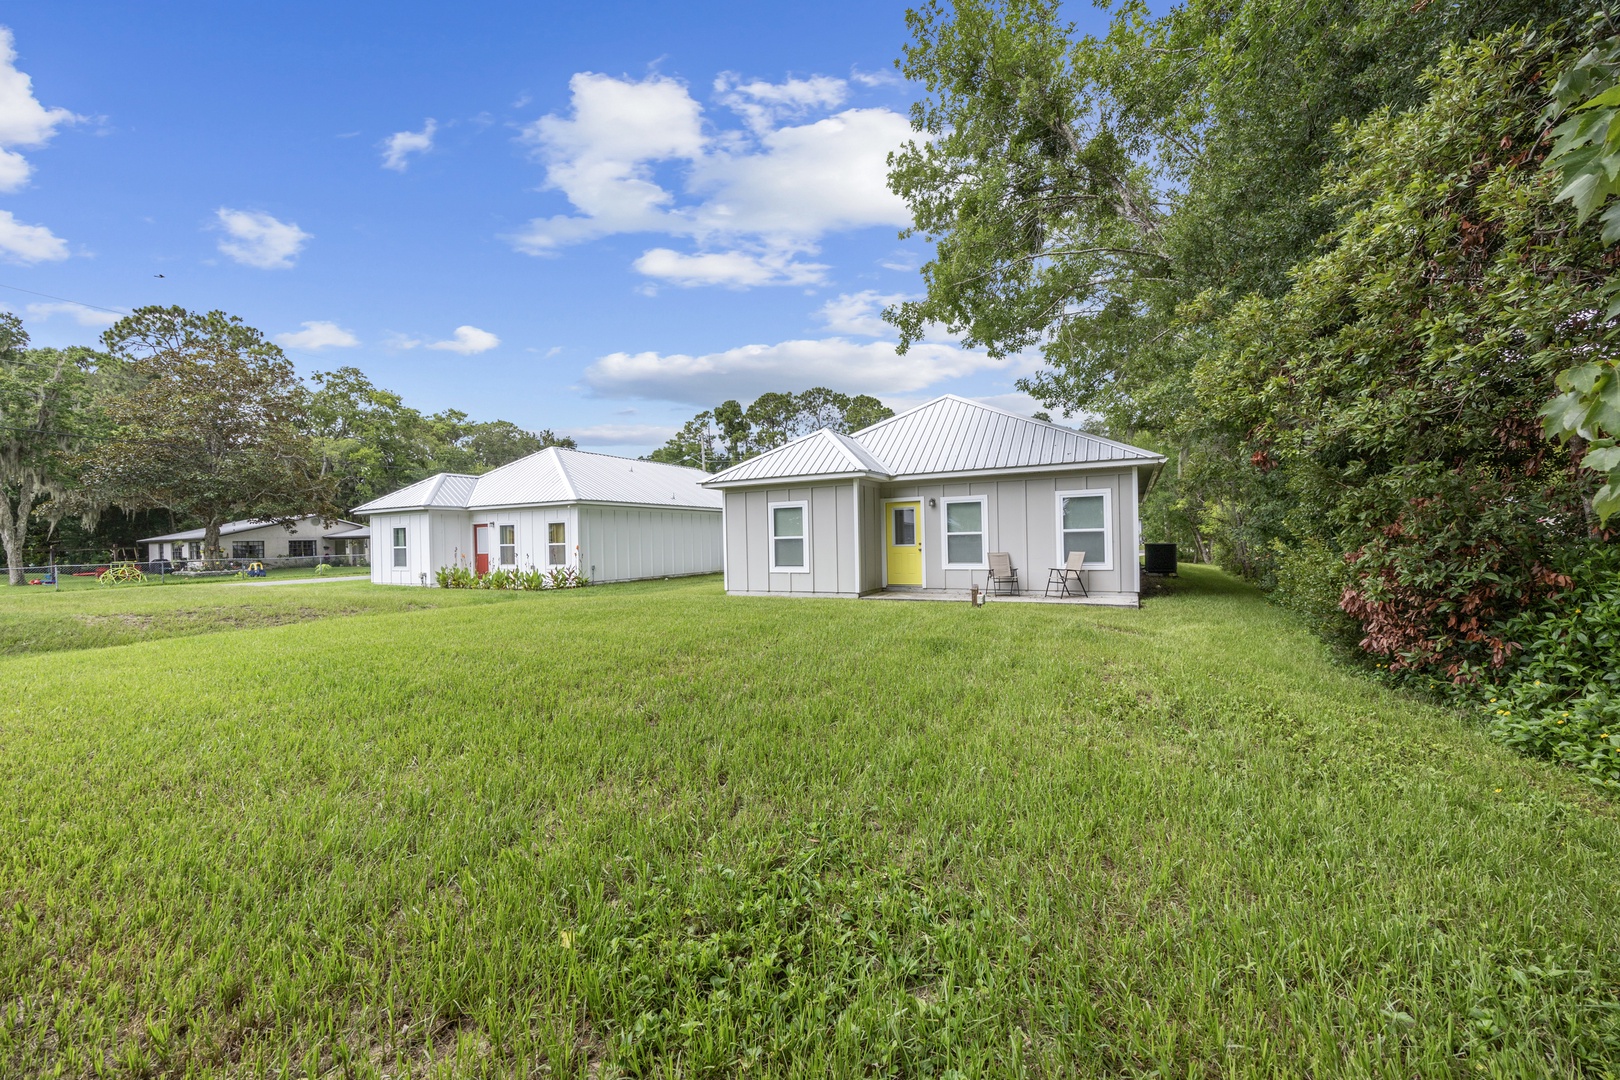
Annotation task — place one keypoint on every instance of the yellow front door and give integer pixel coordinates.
(905, 543)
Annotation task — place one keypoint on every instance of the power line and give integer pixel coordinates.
(65, 300)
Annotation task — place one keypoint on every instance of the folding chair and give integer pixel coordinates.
(1058, 576)
(1002, 576)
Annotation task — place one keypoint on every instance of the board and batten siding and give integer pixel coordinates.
(830, 555)
(1021, 519)
(531, 532)
(625, 543)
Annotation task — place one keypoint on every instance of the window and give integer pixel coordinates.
(508, 545)
(247, 549)
(399, 549)
(905, 526)
(556, 544)
(1083, 526)
(964, 533)
(789, 537)
(300, 549)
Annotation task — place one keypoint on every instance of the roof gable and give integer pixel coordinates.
(441, 490)
(821, 453)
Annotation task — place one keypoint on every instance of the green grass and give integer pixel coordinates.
(36, 620)
(73, 582)
(651, 830)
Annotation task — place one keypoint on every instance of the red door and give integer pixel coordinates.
(481, 548)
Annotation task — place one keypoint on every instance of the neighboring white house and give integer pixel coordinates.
(918, 501)
(308, 537)
(614, 519)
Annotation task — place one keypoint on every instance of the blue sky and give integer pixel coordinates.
(593, 218)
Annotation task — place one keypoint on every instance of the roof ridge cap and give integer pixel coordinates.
(562, 471)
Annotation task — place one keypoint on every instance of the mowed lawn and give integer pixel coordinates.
(651, 830)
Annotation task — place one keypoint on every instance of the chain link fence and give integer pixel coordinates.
(178, 571)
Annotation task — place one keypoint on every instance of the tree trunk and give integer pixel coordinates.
(211, 548)
(14, 528)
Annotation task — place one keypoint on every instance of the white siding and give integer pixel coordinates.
(432, 541)
(831, 550)
(622, 543)
(1021, 519)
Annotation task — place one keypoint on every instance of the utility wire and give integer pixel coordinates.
(65, 300)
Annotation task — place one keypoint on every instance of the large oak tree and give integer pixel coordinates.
(210, 427)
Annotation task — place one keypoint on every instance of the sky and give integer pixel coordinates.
(593, 218)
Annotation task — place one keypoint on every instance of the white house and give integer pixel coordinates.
(920, 500)
(308, 537)
(614, 519)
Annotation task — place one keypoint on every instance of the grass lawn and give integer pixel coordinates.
(647, 829)
(76, 582)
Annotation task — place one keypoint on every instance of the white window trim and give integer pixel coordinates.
(499, 561)
(770, 534)
(405, 547)
(1107, 526)
(549, 545)
(945, 503)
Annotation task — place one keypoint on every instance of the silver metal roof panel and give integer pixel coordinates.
(942, 437)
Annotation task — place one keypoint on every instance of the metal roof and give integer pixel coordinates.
(820, 453)
(235, 527)
(449, 490)
(556, 475)
(559, 475)
(359, 532)
(946, 436)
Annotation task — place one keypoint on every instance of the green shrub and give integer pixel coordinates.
(1559, 696)
(532, 579)
(323, 569)
(1310, 581)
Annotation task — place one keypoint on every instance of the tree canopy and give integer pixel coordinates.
(718, 438)
(210, 426)
(1310, 251)
(46, 416)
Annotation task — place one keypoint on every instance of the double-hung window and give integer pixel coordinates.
(1083, 526)
(556, 544)
(300, 549)
(400, 560)
(247, 549)
(790, 537)
(964, 533)
(508, 545)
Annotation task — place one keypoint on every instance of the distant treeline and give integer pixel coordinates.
(720, 437)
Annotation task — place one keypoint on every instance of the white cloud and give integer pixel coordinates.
(745, 372)
(763, 105)
(319, 335)
(750, 201)
(738, 269)
(859, 313)
(467, 340)
(399, 146)
(79, 313)
(23, 120)
(622, 434)
(257, 239)
(20, 243)
(601, 158)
